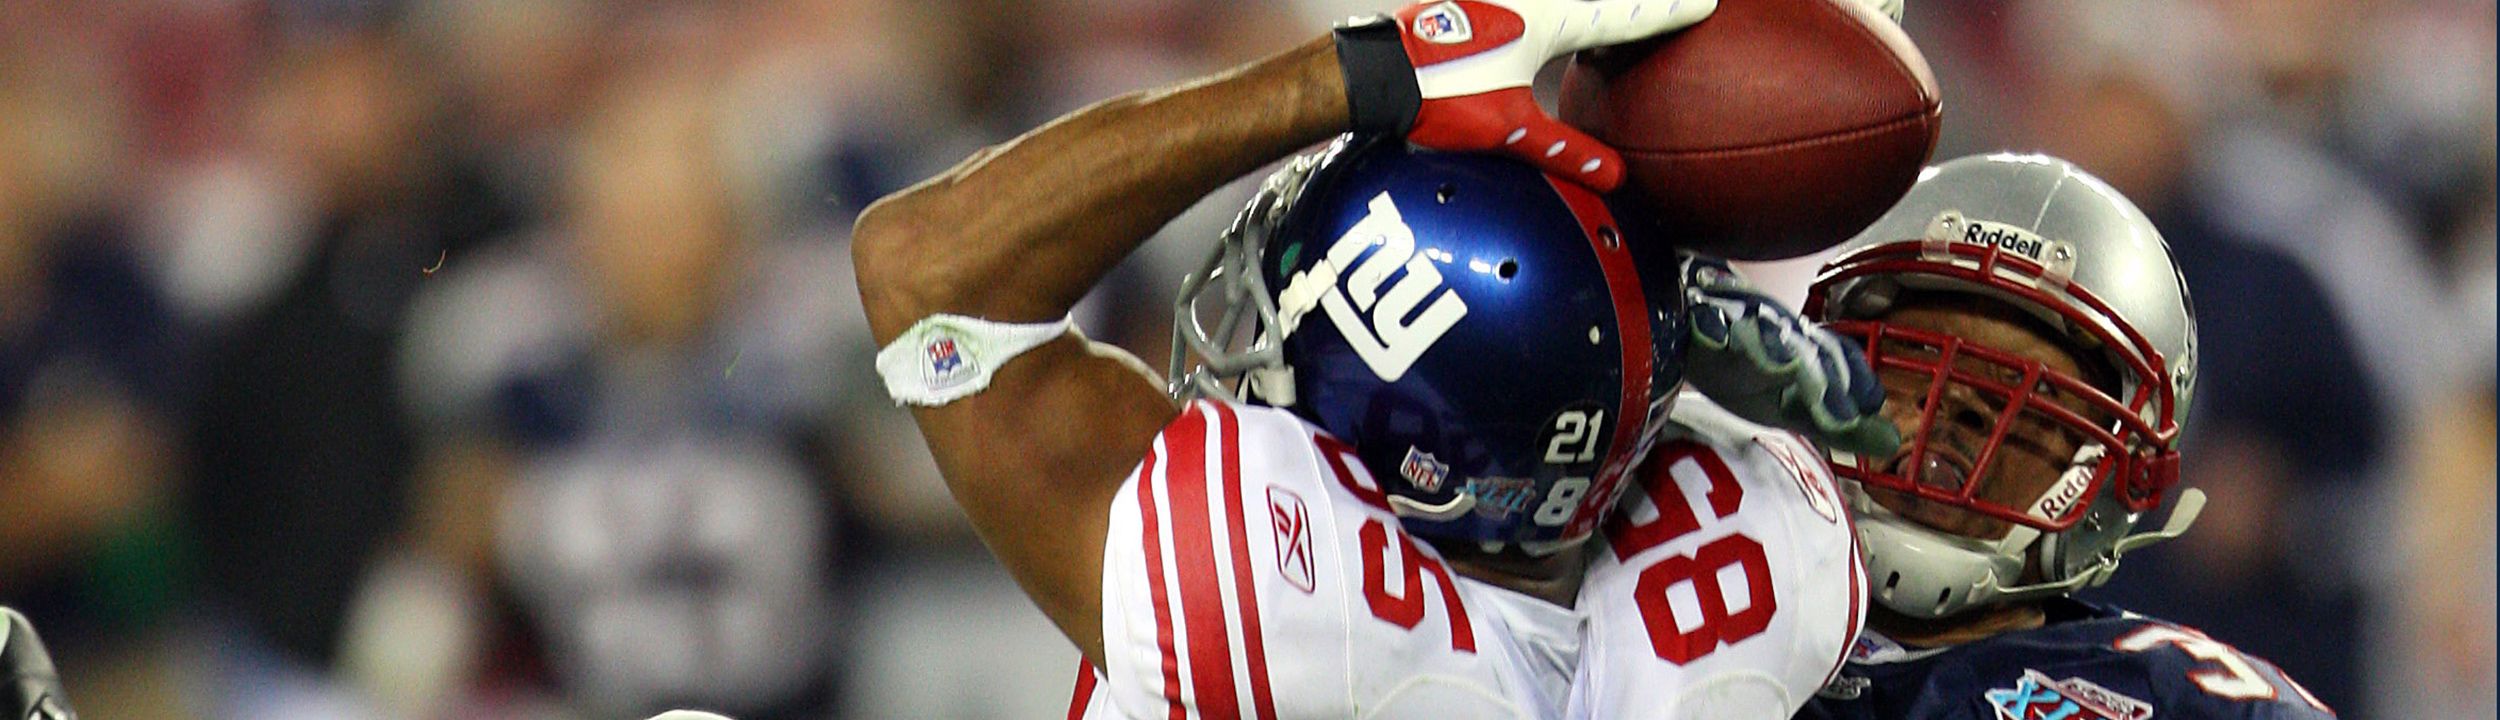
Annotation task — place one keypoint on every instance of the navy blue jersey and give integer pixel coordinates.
(2087, 663)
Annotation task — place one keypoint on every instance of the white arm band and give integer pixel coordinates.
(945, 358)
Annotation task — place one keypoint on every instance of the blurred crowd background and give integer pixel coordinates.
(422, 359)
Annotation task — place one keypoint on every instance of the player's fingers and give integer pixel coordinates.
(1857, 393)
(1608, 22)
(1562, 150)
(1767, 340)
(1837, 405)
(1710, 327)
(1865, 388)
(1802, 407)
(1837, 427)
(1872, 436)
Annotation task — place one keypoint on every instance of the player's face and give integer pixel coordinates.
(2036, 451)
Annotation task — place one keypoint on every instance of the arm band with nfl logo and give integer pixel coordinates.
(945, 358)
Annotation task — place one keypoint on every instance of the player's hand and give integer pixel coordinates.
(1454, 74)
(1762, 362)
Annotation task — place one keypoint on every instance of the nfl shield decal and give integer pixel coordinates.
(2036, 697)
(1444, 24)
(1423, 470)
(947, 365)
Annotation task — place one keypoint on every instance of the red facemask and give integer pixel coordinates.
(1980, 409)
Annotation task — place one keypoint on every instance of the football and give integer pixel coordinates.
(1771, 130)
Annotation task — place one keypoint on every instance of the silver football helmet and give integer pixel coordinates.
(2043, 237)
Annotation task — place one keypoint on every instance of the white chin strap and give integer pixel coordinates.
(1272, 384)
(1457, 505)
(2191, 503)
(1923, 573)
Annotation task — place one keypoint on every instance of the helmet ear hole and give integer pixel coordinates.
(1445, 193)
(1508, 269)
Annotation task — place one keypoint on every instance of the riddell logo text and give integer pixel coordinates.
(2008, 237)
(2070, 486)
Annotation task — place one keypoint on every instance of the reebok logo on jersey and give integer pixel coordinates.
(2036, 697)
(1293, 537)
(1371, 312)
(1444, 24)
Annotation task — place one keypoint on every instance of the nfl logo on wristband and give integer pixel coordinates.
(1444, 24)
(947, 364)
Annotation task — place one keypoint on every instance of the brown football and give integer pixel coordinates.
(1770, 130)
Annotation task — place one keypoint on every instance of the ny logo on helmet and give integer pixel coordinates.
(1386, 339)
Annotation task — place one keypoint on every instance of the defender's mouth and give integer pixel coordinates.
(1943, 472)
(1943, 469)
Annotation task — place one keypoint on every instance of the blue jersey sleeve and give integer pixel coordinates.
(2200, 677)
(2096, 663)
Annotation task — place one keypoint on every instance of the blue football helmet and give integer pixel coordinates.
(1495, 344)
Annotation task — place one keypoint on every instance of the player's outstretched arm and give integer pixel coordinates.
(1016, 234)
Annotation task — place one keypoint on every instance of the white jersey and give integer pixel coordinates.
(1254, 570)
(1730, 586)
(1344, 616)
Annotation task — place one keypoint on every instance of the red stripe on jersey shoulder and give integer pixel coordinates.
(1084, 696)
(1154, 580)
(1245, 585)
(1857, 602)
(1193, 547)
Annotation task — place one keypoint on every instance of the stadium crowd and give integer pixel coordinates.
(423, 359)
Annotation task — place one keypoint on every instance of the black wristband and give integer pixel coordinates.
(1380, 91)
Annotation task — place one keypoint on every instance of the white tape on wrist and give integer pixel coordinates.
(945, 358)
